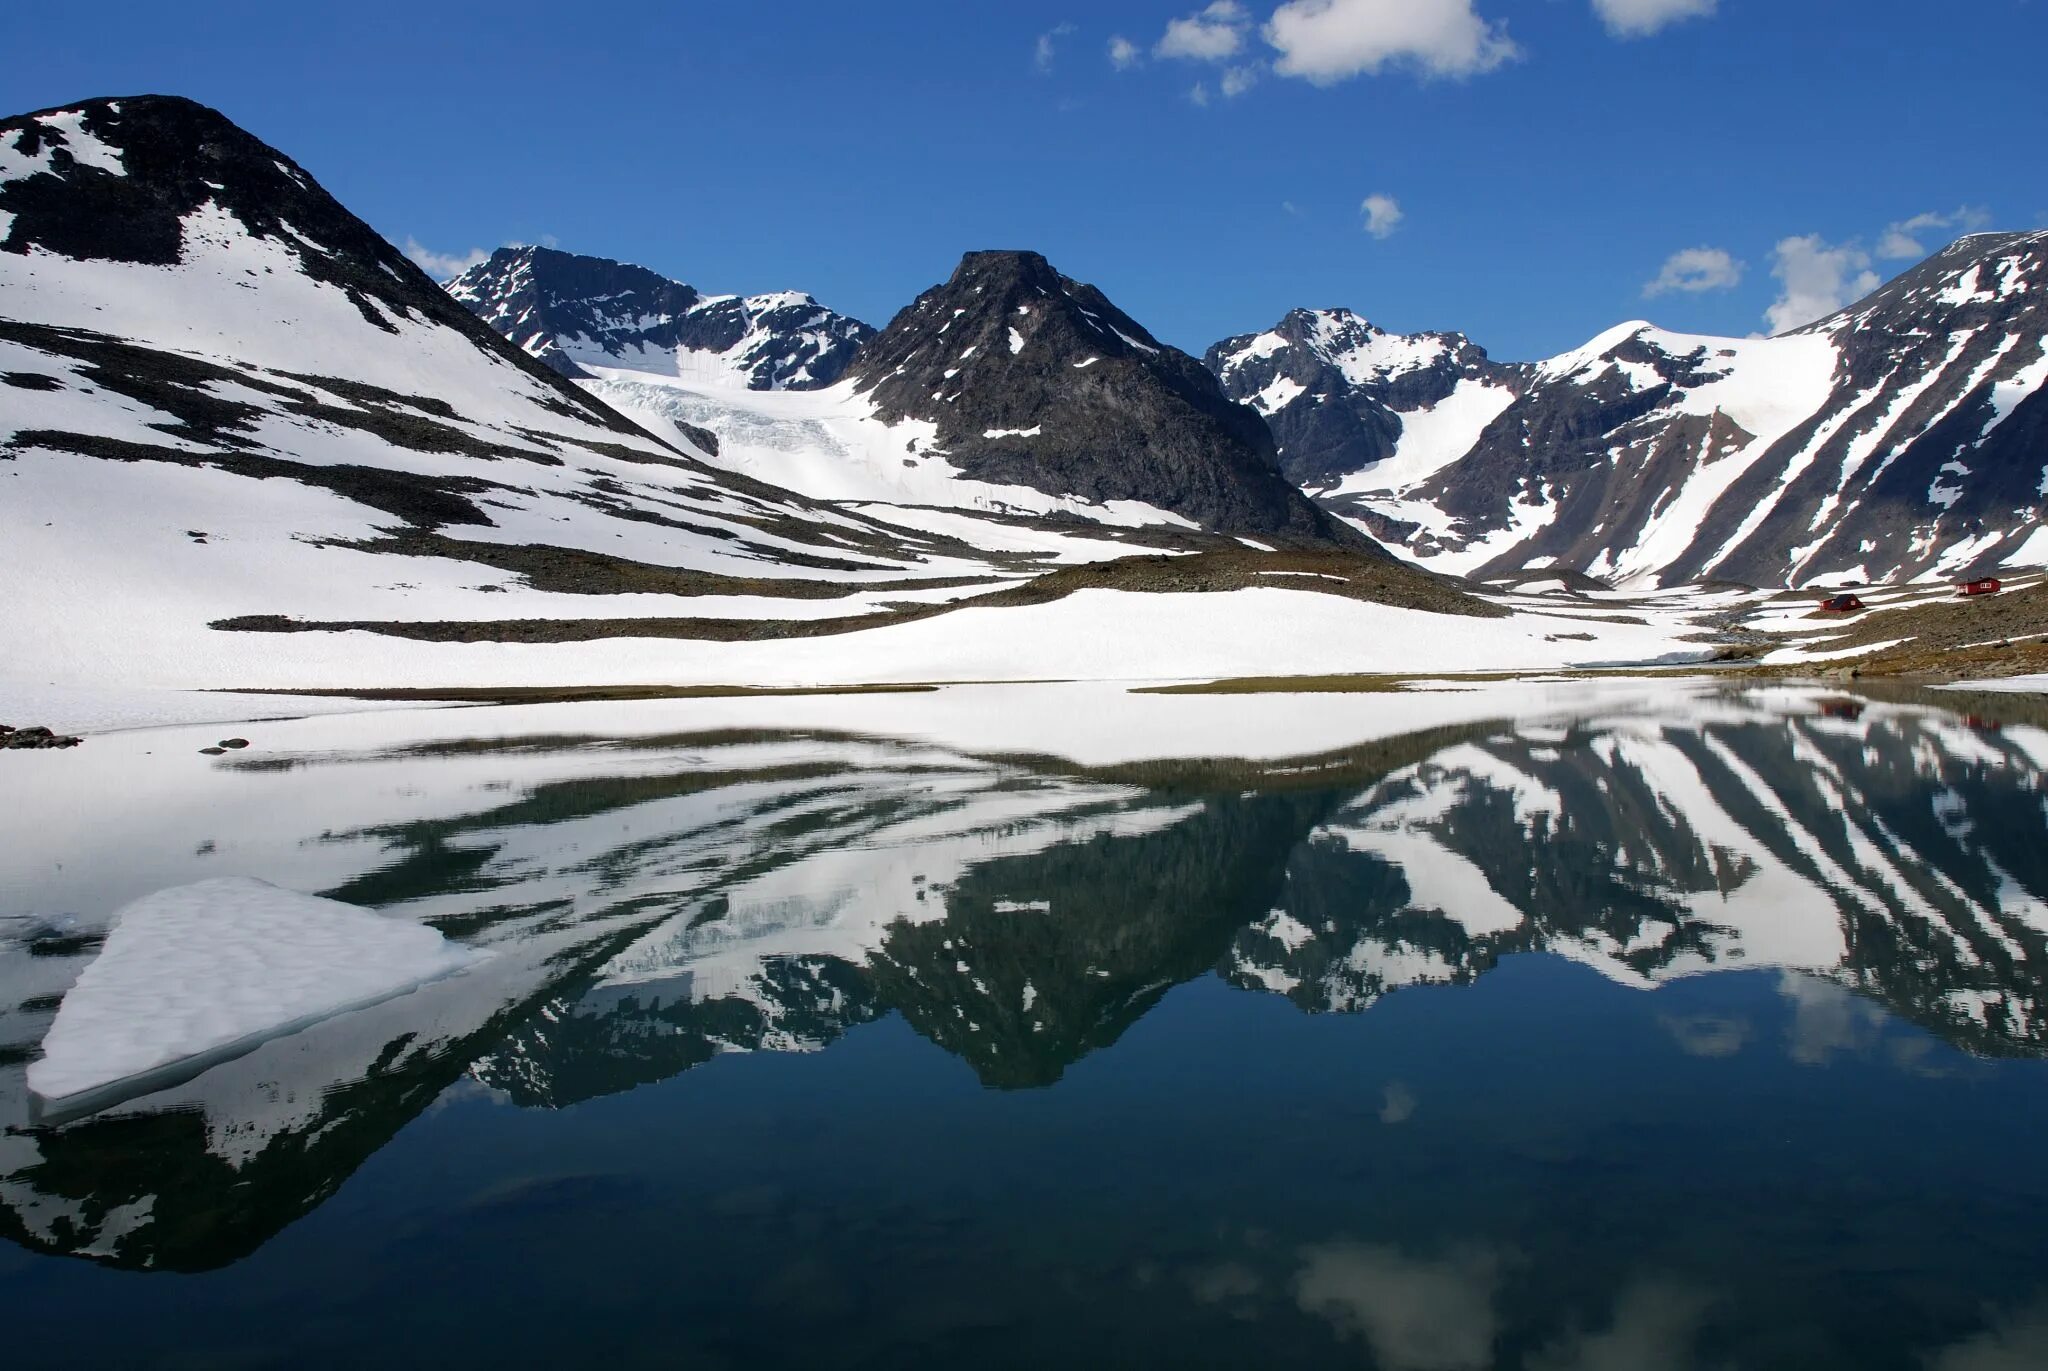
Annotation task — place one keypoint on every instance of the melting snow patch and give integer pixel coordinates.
(1016, 342)
(1031, 432)
(197, 974)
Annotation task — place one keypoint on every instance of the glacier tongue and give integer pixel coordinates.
(195, 974)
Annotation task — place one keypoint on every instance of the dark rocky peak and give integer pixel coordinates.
(146, 178)
(568, 311)
(119, 180)
(1031, 378)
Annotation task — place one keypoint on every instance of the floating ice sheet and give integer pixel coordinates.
(196, 974)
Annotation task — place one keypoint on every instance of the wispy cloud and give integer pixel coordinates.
(1199, 93)
(1123, 53)
(1694, 271)
(1641, 18)
(1238, 80)
(1326, 41)
(443, 266)
(1215, 34)
(1382, 214)
(1816, 278)
(1903, 239)
(1046, 50)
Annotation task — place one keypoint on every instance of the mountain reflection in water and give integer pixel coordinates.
(658, 903)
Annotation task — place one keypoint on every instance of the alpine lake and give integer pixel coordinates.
(1569, 1027)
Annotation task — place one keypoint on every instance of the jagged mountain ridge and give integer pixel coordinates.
(1340, 393)
(1010, 390)
(570, 312)
(1030, 378)
(1900, 437)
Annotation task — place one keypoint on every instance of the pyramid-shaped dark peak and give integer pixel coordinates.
(1018, 263)
(994, 292)
(1034, 379)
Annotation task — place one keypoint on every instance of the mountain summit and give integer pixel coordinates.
(1338, 389)
(1032, 379)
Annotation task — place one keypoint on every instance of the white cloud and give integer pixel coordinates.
(1640, 18)
(1293, 210)
(1123, 53)
(1902, 240)
(1326, 41)
(1048, 46)
(1656, 1323)
(1415, 1315)
(1818, 278)
(1199, 93)
(443, 266)
(1214, 35)
(1238, 80)
(1382, 215)
(1694, 270)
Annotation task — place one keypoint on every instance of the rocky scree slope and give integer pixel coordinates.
(570, 311)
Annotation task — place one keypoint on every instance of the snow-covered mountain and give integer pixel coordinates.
(1343, 395)
(566, 311)
(226, 401)
(1010, 393)
(1903, 436)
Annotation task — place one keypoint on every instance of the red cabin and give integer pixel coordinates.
(1983, 585)
(1841, 604)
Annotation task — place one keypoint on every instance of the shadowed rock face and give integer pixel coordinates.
(1334, 388)
(1033, 379)
(560, 307)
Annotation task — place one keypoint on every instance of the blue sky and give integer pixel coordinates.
(1520, 170)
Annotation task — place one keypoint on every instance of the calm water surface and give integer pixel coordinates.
(1701, 1035)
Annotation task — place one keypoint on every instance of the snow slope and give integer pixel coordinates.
(231, 398)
